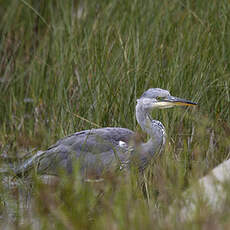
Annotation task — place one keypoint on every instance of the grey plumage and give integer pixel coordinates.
(100, 150)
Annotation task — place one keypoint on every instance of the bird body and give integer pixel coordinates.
(96, 150)
(104, 149)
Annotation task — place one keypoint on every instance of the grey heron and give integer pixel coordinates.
(99, 150)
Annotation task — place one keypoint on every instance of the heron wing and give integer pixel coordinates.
(95, 140)
(95, 149)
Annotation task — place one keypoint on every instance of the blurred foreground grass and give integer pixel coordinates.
(62, 61)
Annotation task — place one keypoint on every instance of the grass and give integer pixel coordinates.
(66, 66)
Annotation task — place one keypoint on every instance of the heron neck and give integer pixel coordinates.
(153, 128)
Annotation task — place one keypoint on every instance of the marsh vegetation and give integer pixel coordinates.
(67, 66)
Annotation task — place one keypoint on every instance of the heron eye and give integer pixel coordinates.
(160, 98)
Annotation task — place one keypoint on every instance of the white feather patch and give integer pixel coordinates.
(123, 144)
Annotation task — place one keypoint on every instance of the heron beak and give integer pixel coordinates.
(176, 101)
(171, 101)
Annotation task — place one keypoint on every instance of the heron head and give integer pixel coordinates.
(161, 98)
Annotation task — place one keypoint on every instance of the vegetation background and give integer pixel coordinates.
(72, 65)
